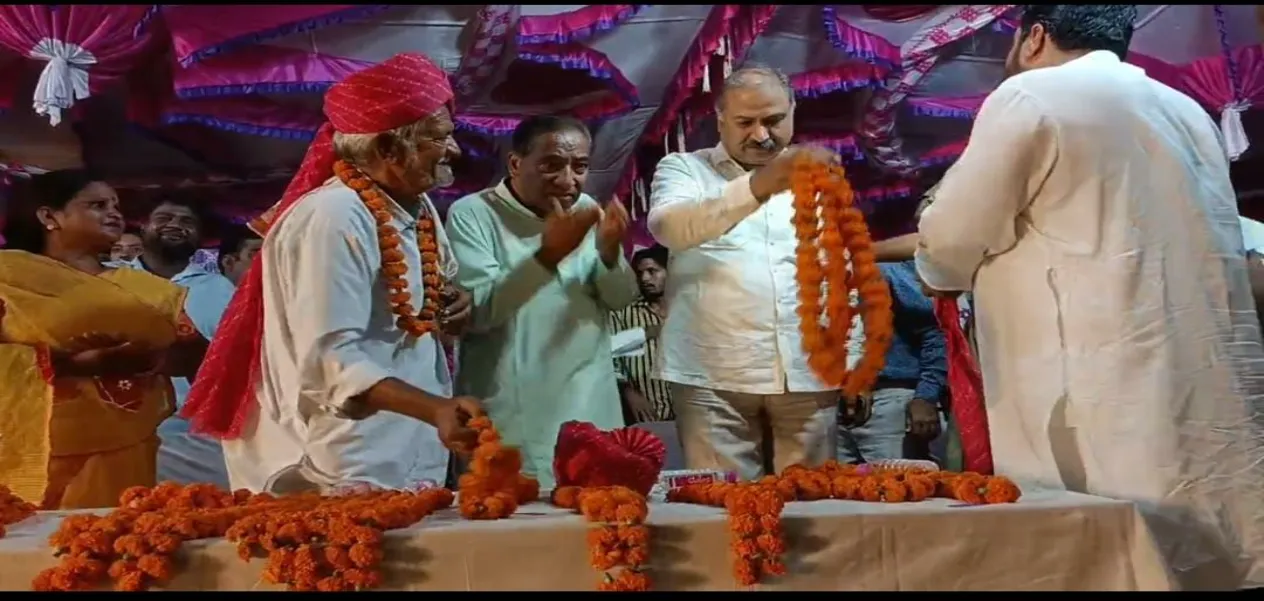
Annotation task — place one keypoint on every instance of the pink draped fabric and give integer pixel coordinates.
(115, 35)
(1208, 80)
(264, 70)
(575, 25)
(898, 12)
(199, 31)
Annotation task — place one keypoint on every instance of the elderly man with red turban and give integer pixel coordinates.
(326, 370)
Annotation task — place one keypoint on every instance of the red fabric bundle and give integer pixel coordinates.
(965, 383)
(586, 456)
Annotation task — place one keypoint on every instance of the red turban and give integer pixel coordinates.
(402, 90)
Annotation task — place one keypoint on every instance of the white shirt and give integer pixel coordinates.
(329, 335)
(731, 291)
(1252, 234)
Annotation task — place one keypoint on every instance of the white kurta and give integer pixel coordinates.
(1093, 218)
(329, 335)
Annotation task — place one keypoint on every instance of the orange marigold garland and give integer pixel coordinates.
(831, 230)
(312, 542)
(754, 509)
(12, 509)
(754, 521)
(619, 543)
(394, 266)
(494, 486)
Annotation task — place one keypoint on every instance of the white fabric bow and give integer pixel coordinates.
(63, 80)
(1236, 142)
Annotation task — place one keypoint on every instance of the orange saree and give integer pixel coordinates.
(73, 443)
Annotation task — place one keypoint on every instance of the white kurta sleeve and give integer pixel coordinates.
(329, 277)
(683, 216)
(1011, 152)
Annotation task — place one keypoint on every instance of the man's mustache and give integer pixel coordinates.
(765, 144)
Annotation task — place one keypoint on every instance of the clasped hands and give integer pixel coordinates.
(96, 354)
(564, 231)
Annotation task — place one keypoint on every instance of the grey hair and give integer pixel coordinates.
(362, 148)
(753, 76)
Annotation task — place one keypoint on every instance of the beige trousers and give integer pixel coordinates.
(754, 434)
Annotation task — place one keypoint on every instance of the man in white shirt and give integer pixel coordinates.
(170, 237)
(1093, 218)
(313, 383)
(731, 345)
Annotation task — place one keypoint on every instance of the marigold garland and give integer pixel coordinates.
(494, 486)
(311, 542)
(620, 540)
(12, 509)
(831, 230)
(394, 266)
(754, 509)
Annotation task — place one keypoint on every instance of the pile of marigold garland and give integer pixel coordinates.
(754, 509)
(832, 233)
(12, 509)
(310, 542)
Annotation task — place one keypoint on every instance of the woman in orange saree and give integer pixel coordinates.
(85, 351)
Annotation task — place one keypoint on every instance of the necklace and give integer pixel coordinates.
(394, 268)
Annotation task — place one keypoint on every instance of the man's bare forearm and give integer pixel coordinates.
(899, 248)
(399, 397)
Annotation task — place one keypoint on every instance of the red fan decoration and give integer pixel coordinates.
(586, 456)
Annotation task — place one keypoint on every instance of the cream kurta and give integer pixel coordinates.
(329, 335)
(1093, 217)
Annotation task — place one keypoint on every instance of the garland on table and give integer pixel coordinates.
(754, 522)
(494, 486)
(827, 238)
(754, 509)
(311, 542)
(620, 540)
(12, 509)
(394, 267)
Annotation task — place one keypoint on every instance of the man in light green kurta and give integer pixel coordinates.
(544, 265)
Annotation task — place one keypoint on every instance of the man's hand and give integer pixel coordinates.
(855, 412)
(100, 355)
(774, 177)
(451, 420)
(638, 406)
(610, 231)
(922, 419)
(456, 310)
(563, 232)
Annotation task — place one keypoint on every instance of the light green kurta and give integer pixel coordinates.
(538, 348)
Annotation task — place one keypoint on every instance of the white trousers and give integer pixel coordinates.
(726, 430)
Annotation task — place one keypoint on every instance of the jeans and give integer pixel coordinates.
(884, 435)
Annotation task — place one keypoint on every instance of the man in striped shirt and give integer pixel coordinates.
(645, 398)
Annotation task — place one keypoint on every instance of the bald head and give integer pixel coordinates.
(755, 78)
(755, 114)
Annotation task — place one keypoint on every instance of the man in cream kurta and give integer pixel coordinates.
(731, 344)
(538, 346)
(298, 442)
(1093, 218)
